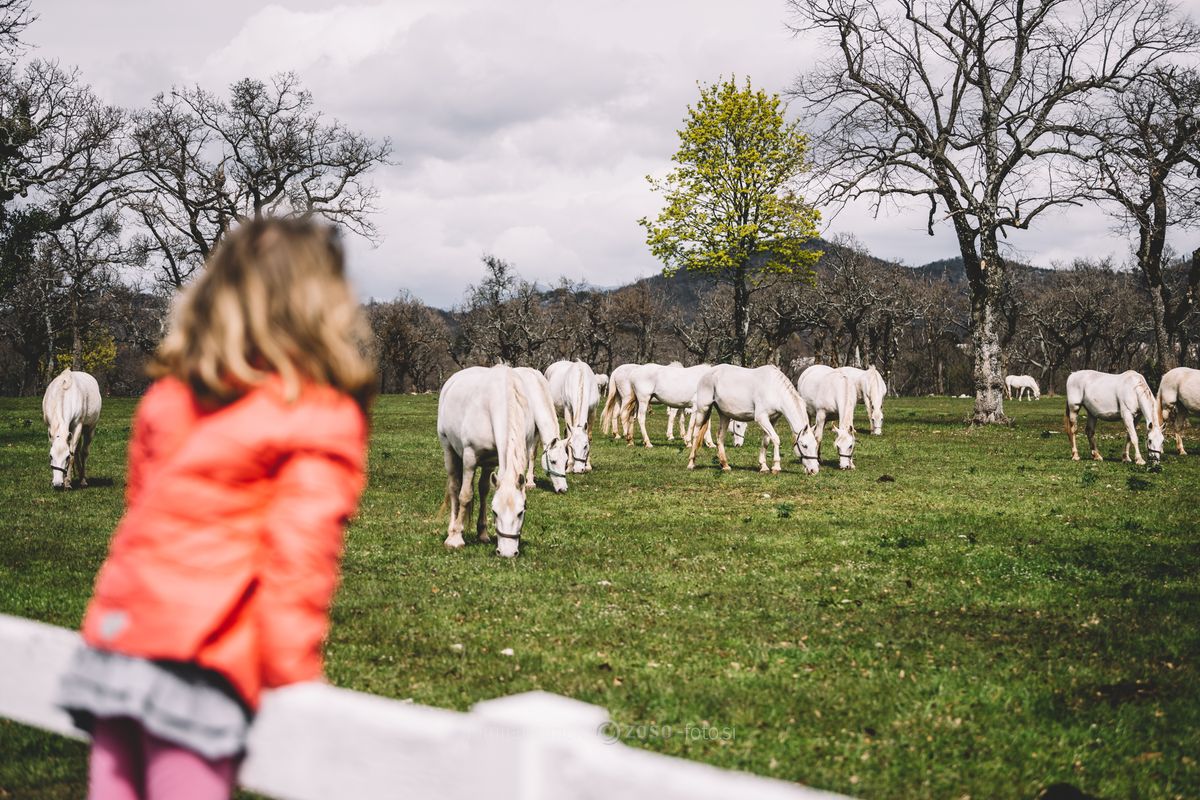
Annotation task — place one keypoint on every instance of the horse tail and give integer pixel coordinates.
(610, 405)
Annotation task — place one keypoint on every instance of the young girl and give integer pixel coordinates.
(246, 460)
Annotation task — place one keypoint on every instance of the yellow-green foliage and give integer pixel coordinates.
(99, 354)
(730, 202)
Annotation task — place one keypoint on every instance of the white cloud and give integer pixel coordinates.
(523, 128)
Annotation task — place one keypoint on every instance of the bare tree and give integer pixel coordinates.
(64, 156)
(502, 320)
(15, 17)
(208, 162)
(972, 105)
(1148, 163)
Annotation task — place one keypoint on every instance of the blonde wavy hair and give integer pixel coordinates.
(272, 299)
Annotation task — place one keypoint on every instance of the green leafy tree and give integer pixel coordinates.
(731, 210)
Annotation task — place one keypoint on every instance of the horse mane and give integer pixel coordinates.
(1146, 400)
(581, 394)
(58, 403)
(790, 391)
(516, 406)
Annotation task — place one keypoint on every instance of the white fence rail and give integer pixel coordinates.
(317, 741)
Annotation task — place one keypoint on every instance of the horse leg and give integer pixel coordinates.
(1072, 421)
(1131, 431)
(672, 412)
(1091, 434)
(1178, 417)
(724, 459)
(485, 478)
(454, 474)
(466, 491)
(764, 422)
(529, 482)
(819, 429)
(588, 428)
(643, 409)
(85, 446)
(627, 418)
(762, 455)
(700, 423)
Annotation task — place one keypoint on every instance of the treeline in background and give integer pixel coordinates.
(911, 322)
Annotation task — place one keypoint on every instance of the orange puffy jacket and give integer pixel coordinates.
(227, 555)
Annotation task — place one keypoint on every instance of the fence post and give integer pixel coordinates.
(534, 728)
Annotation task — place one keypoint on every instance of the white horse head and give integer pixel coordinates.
(1154, 440)
(579, 447)
(60, 458)
(845, 439)
(508, 507)
(807, 450)
(738, 428)
(556, 459)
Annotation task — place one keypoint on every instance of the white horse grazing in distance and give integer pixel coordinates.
(601, 382)
(573, 387)
(618, 389)
(738, 428)
(1111, 397)
(71, 409)
(871, 390)
(673, 385)
(827, 391)
(1022, 384)
(484, 422)
(556, 455)
(1178, 394)
(762, 395)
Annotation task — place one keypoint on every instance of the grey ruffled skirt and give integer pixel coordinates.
(182, 703)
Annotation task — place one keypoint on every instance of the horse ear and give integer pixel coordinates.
(852, 430)
(495, 481)
(554, 442)
(836, 429)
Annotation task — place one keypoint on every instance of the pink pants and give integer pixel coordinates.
(127, 763)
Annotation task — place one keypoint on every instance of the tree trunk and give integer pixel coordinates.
(741, 315)
(1162, 340)
(76, 337)
(988, 322)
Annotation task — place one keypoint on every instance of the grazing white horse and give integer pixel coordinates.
(601, 382)
(1178, 394)
(556, 454)
(573, 387)
(484, 422)
(871, 390)
(762, 395)
(827, 391)
(673, 385)
(1022, 384)
(1110, 397)
(618, 389)
(71, 409)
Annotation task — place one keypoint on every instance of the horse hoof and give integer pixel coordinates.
(1141, 462)
(775, 470)
(530, 484)
(727, 468)
(1075, 457)
(763, 468)
(691, 466)
(484, 538)
(83, 484)
(649, 446)
(455, 543)
(1097, 457)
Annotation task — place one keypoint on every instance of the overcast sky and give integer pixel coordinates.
(523, 128)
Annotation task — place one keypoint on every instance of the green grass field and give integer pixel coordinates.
(995, 620)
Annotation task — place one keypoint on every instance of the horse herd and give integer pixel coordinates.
(493, 420)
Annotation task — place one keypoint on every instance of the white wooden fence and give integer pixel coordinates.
(317, 741)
